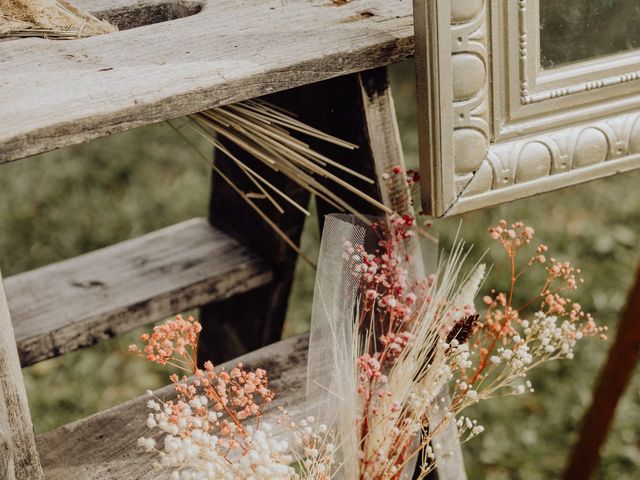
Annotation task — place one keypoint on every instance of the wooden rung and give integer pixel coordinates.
(57, 93)
(77, 302)
(103, 446)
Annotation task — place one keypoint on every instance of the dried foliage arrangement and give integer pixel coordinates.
(54, 19)
(404, 355)
(266, 132)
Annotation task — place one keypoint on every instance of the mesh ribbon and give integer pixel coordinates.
(331, 376)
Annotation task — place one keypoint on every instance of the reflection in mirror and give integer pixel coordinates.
(585, 29)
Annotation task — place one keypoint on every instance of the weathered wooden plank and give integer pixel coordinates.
(56, 93)
(103, 446)
(614, 379)
(75, 303)
(18, 454)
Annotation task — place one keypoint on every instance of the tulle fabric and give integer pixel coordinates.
(331, 376)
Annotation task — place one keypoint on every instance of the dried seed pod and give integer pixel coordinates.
(463, 328)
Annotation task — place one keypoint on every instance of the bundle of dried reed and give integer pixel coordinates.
(264, 131)
(55, 19)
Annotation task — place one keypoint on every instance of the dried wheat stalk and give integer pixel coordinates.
(264, 131)
(55, 19)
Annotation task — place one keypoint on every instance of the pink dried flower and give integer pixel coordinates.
(174, 342)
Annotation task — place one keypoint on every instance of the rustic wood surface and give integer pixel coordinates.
(614, 379)
(18, 454)
(103, 446)
(77, 302)
(381, 129)
(336, 106)
(56, 93)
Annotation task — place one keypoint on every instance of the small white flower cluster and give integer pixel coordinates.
(517, 357)
(461, 354)
(521, 388)
(268, 457)
(190, 458)
(544, 339)
(193, 453)
(468, 428)
(554, 339)
(318, 450)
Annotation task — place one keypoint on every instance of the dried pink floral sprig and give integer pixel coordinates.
(173, 343)
(419, 335)
(505, 337)
(206, 430)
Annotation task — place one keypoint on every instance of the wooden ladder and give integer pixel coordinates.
(231, 264)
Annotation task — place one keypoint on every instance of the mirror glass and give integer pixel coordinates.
(584, 29)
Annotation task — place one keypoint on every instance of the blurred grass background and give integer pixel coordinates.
(74, 200)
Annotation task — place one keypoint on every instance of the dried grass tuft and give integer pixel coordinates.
(264, 131)
(54, 19)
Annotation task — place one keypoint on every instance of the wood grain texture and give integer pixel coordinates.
(103, 446)
(77, 302)
(57, 93)
(381, 129)
(18, 454)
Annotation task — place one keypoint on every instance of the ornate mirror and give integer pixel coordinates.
(519, 97)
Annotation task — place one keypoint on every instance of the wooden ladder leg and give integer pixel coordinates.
(18, 455)
(614, 378)
(248, 321)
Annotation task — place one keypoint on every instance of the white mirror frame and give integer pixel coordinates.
(495, 127)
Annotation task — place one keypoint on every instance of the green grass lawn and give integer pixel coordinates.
(60, 204)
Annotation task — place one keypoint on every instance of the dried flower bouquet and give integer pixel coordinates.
(404, 354)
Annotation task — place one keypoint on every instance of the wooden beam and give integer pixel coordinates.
(360, 108)
(18, 454)
(345, 108)
(250, 321)
(57, 93)
(104, 446)
(614, 378)
(77, 302)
